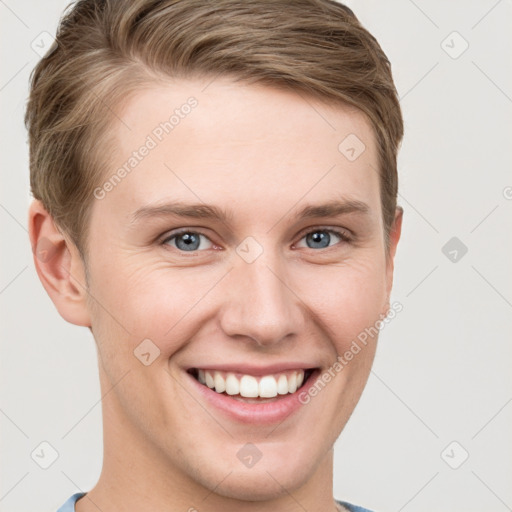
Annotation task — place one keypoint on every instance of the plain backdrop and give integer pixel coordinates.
(432, 430)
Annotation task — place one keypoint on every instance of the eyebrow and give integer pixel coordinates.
(205, 211)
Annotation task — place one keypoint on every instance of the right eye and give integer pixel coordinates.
(186, 241)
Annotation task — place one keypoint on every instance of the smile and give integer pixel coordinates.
(250, 386)
(254, 396)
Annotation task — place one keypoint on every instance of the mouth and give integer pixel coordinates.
(250, 388)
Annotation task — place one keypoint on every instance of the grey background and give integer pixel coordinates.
(442, 370)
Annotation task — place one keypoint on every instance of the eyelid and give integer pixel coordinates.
(344, 234)
(169, 235)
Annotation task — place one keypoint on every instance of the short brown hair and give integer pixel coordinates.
(107, 49)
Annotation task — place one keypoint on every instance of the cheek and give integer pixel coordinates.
(169, 304)
(346, 299)
(149, 299)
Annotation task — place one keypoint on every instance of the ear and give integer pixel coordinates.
(394, 237)
(59, 266)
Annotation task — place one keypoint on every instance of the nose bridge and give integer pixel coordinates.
(259, 304)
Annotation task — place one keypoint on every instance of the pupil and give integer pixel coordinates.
(187, 241)
(321, 236)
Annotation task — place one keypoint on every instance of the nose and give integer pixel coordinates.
(258, 303)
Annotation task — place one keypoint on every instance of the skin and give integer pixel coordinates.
(262, 153)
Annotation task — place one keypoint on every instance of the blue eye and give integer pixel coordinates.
(186, 240)
(320, 238)
(190, 241)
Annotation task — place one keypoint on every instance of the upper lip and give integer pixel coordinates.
(250, 369)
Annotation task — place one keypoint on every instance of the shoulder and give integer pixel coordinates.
(352, 508)
(69, 505)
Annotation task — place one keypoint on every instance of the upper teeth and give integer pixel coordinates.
(248, 386)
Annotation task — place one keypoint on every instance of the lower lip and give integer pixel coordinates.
(264, 413)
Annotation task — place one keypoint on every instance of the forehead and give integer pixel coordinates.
(249, 145)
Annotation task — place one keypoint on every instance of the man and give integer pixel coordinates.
(215, 199)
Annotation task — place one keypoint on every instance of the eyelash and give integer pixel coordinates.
(341, 234)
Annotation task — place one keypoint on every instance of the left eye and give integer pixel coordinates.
(320, 238)
(189, 241)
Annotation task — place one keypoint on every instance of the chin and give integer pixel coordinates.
(263, 482)
(259, 486)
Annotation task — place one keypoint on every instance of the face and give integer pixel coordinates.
(269, 291)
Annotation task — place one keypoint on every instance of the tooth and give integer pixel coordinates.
(249, 386)
(282, 385)
(232, 385)
(292, 382)
(209, 379)
(220, 383)
(268, 387)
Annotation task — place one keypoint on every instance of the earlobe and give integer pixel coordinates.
(59, 266)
